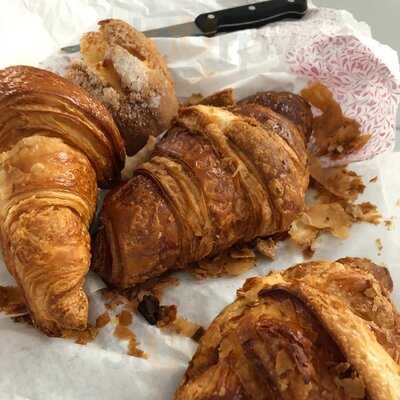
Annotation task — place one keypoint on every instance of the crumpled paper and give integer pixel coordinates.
(36, 367)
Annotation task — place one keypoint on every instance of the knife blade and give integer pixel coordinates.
(228, 20)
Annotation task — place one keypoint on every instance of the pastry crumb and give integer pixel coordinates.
(171, 322)
(335, 134)
(365, 212)
(333, 208)
(134, 351)
(338, 181)
(102, 320)
(379, 246)
(373, 180)
(320, 217)
(82, 337)
(167, 319)
(266, 247)
(125, 318)
(389, 224)
(125, 334)
(244, 252)
(224, 265)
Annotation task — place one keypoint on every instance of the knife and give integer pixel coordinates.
(229, 20)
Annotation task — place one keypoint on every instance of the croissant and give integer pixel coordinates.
(218, 177)
(56, 143)
(124, 70)
(319, 330)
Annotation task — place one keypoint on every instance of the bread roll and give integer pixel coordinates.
(124, 70)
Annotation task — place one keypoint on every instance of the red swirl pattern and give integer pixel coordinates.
(362, 83)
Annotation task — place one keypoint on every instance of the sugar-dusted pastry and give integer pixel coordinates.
(124, 70)
(56, 143)
(218, 177)
(319, 330)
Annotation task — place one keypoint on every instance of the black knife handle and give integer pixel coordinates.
(250, 16)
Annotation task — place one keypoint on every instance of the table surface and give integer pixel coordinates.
(382, 16)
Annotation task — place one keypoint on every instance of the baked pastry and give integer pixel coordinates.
(56, 143)
(319, 330)
(218, 177)
(124, 70)
(294, 107)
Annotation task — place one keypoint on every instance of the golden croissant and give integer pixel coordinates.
(218, 177)
(56, 143)
(319, 330)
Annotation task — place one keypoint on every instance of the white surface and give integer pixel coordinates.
(35, 367)
(382, 16)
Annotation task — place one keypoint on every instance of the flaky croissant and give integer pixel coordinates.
(319, 330)
(218, 177)
(56, 142)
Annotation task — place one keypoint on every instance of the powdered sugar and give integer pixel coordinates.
(111, 97)
(154, 102)
(132, 71)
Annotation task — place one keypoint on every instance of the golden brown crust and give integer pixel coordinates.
(223, 98)
(278, 123)
(123, 69)
(292, 106)
(216, 179)
(318, 330)
(55, 143)
(31, 97)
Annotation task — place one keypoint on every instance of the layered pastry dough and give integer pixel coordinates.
(123, 69)
(56, 143)
(319, 330)
(218, 177)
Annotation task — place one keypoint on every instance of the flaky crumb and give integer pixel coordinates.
(364, 212)
(82, 337)
(134, 350)
(389, 224)
(339, 181)
(335, 134)
(102, 320)
(125, 318)
(171, 322)
(332, 209)
(373, 180)
(379, 246)
(125, 334)
(266, 247)
(244, 252)
(223, 265)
